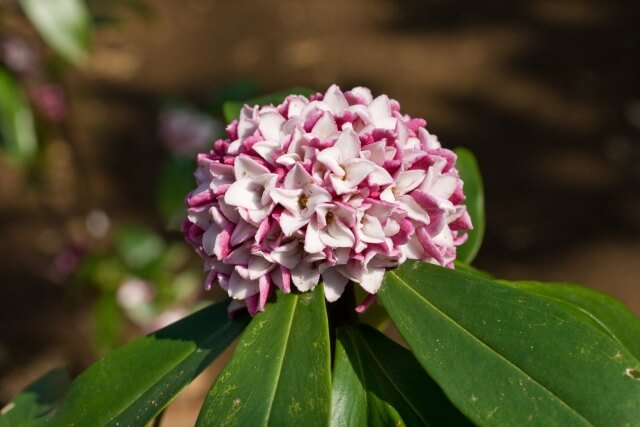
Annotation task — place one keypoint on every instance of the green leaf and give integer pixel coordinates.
(280, 372)
(134, 383)
(606, 312)
(17, 129)
(176, 180)
(231, 109)
(377, 382)
(36, 400)
(64, 24)
(474, 191)
(505, 356)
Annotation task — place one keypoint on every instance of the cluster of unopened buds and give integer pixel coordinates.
(335, 188)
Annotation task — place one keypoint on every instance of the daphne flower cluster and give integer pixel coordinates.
(335, 188)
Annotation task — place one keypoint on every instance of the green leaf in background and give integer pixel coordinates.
(64, 24)
(138, 245)
(280, 372)
(17, 128)
(231, 109)
(377, 382)
(606, 312)
(134, 383)
(473, 189)
(107, 323)
(505, 356)
(176, 180)
(36, 400)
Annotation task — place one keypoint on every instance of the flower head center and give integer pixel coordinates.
(329, 217)
(302, 201)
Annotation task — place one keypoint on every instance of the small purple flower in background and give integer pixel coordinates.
(335, 188)
(18, 56)
(49, 99)
(188, 132)
(66, 262)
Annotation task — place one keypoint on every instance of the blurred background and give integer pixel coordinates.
(103, 105)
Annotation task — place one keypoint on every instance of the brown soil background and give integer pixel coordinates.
(545, 93)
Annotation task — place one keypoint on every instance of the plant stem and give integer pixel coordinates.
(341, 312)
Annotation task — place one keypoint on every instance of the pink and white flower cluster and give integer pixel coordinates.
(335, 188)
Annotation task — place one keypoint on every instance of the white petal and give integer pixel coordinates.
(335, 99)
(409, 180)
(258, 267)
(266, 149)
(331, 158)
(375, 152)
(380, 109)
(240, 288)
(387, 195)
(414, 211)
(334, 284)
(312, 242)
(337, 235)
(297, 177)
(244, 193)
(296, 105)
(372, 231)
(246, 167)
(239, 255)
(230, 212)
(371, 279)
(316, 195)
(325, 127)
(305, 276)
(288, 159)
(246, 123)
(290, 223)
(364, 93)
(209, 238)
(357, 170)
(287, 255)
(242, 232)
(290, 199)
(444, 186)
(380, 176)
(348, 144)
(269, 125)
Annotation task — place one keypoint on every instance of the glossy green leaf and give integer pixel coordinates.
(64, 24)
(17, 129)
(134, 383)
(231, 109)
(606, 312)
(474, 191)
(36, 400)
(280, 372)
(506, 356)
(377, 382)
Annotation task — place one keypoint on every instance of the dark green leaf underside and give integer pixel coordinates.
(379, 383)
